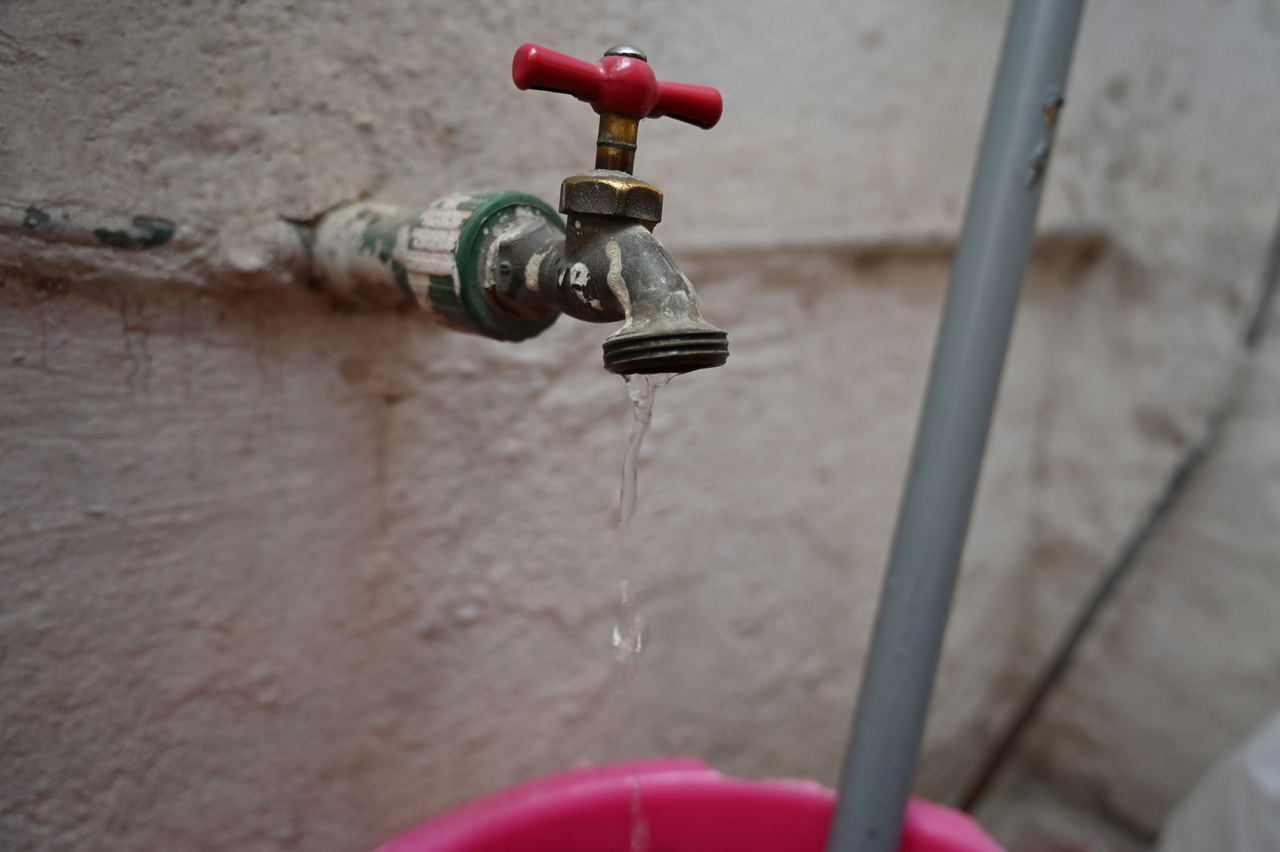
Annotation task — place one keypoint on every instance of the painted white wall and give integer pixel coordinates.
(282, 576)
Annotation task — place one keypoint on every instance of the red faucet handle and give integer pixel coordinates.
(622, 82)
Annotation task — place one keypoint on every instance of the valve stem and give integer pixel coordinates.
(616, 142)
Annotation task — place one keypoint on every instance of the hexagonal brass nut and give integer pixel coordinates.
(607, 193)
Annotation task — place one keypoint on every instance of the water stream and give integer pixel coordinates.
(639, 819)
(630, 633)
(642, 389)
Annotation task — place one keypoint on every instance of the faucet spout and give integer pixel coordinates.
(664, 331)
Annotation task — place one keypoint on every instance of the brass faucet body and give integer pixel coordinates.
(608, 266)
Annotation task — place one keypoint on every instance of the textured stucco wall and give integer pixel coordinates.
(282, 576)
(1187, 661)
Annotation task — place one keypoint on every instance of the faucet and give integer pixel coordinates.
(505, 265)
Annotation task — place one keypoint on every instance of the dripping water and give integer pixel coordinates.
(639, 820)
(642, 389)
(630, 633)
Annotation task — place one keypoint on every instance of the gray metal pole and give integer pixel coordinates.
(986, 280)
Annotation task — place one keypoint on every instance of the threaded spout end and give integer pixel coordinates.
(677, 352)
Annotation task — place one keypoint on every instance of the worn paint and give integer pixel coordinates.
(533, 269)
(1039, 161)
(617, 284)
(145, 234)
(90, 227)
(1053, 104)
(35, 217)
(526, 221)
(579, 277)
(386, 239)
(358, 252)
(432, 243)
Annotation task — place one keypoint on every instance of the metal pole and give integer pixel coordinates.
(986, 279)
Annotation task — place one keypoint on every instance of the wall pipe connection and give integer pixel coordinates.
(986, 280)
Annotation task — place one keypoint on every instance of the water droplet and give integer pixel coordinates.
(630, 633)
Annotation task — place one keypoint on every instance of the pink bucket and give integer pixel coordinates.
(668, 805)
